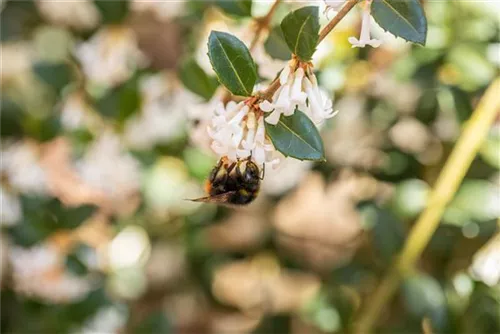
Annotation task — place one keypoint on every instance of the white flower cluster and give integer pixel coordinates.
(111, 56)
(299, 89)
(163, 112)
(39, 271)
(238, 132)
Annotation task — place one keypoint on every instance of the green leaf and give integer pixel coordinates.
(112, 11)
(43, 216)
(424, 297)
(276, 46)
(232, 63)
(120, 102)
(11, 119)
(301, 31)
(461, 103)
(154, 323)
(236, 7)
(55, 75)
(402, 18)
(196, 80)
(296, 136)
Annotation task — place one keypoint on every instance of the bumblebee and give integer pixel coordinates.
(233, 183)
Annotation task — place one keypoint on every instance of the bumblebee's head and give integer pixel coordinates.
(249, 171)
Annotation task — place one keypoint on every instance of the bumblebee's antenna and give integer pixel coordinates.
(263, 171)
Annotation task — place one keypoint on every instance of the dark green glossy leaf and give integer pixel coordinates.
(120, 102)
(232, 63)
(112, 11)
(402, 18)
(296, 136)
(196, 80)
(236, 7)
(276, 46)
(300, 29)
(55, 75)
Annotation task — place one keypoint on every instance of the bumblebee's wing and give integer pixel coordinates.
(223, 199)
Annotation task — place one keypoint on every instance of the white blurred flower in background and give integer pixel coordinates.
(40, 271)
(353, 141)
(108, 167)
(111, 56)
(10, 206)
(17, 58)
(76, 112)
(78, 14)
(163, 10)
(163, 114)
(287, 175)
(20, 164)
(166, 188)
(486, 262)
(109, 319)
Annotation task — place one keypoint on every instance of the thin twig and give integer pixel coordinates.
(447, 184)
(340, 15)
(275, 85)
(263, 24)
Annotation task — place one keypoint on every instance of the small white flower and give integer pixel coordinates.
(333, 5)
(238, 133)
(298, 90)
(364, 38)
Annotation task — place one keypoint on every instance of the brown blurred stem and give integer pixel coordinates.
(446, 186)
(273, 87)
(263, 24)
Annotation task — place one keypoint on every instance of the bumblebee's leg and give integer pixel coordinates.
(231, 167)
(215, 171)
(263, 171)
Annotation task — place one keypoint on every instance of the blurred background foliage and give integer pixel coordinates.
(104, 107)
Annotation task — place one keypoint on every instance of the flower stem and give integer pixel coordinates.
(446, 186)
(340, 15)
(263, 24)
(273, 87)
